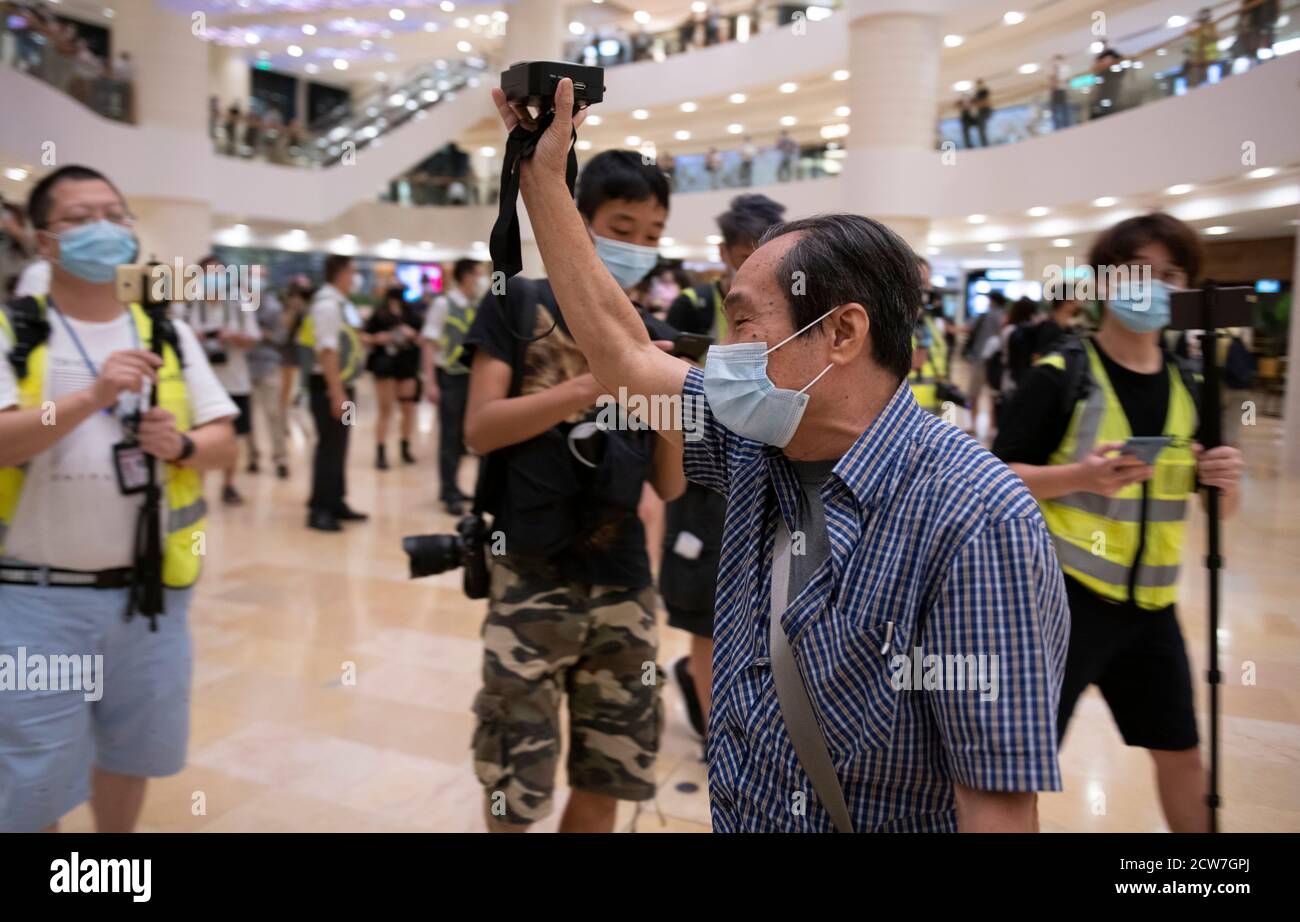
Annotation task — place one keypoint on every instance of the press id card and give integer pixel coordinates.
(132, 466)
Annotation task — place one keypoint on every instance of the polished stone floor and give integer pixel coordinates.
(283, 740)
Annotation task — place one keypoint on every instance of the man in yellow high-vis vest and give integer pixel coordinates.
(73, 370)
(1116, 506)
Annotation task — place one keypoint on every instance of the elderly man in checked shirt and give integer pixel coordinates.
(910, 541)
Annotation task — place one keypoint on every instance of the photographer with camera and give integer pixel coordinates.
(75, 430)
(571, 608)
(228, 333)
(688, 576)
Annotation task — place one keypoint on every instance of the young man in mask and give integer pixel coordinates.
(74, 367)
(862, 533)
(688, 576)
(1117, 520)
(571, 607)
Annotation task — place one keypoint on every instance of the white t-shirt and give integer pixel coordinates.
(330, 309)
(34, 280)
(209, 316)
(71, 513)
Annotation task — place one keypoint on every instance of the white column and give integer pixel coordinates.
(229, 76)
(1291, 408)
(170, 64)
(893, 95)
(536, 31)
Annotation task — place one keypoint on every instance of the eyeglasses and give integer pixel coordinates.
(82, 218)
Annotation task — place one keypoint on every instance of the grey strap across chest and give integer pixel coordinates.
(796, 707)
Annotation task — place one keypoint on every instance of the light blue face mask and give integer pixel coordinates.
(627, 262)
(743, 398)
(1145, 309)
(93, 252)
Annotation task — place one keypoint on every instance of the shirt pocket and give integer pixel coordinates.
(845, 662)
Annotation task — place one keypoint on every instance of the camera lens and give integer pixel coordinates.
(433, 554)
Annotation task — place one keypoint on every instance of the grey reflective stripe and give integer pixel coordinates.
(1094, 408)
(1119, 509)
(186, 516)
(1116, 574)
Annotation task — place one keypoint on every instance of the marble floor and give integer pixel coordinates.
(284, 740)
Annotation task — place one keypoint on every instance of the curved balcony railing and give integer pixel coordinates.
(36, 42)
(1250, 36)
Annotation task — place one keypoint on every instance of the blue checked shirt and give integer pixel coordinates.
(935, 544)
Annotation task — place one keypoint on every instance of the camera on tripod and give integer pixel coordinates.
(430, 555)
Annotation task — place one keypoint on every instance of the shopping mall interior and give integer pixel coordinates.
(330, 691)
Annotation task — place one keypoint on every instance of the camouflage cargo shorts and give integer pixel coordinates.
(544, 638)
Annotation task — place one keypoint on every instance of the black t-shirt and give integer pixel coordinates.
(691, 317)
(614, 556)
(1036, 419)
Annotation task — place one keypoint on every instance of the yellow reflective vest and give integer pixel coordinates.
(182, 486)
(349, 349)
(1117, 546)
(934, 368)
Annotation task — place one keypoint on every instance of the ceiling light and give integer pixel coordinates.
(688, 107)
(842, 111)
(788, 120)
(1038, 211)
(713, 239)
(976, 219)
(447, 6)
(995, 248)
(840, 75)
(1263, 172)
(735, 128)
(294, 51)
(952, 41)
(431, 26)
(488, 151)
(1030, 68)
(308, 29)
(632, 141)
(1097, 47)
(396, 15)
(1181, 188)
(641, 16)
(482, 19)
(1105, 201)
(699, 6)
(666, 241)
(1218, 230)
(1175, 22)
(682, 135)
(640, 114)
(788, 87)
(577, 28)
(17, 174)
(464, 47)
(460, 22)
(583, 144)
(251, 38)
(961, 86)
(736, 98)
(1062, 242)
(340, 64)
(312, 68)
(1013, 17)
(593, 120)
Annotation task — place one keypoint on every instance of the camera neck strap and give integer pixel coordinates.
(520, 145)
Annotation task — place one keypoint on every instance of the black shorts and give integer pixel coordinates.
(694, 621)
(1138, 660)
(244, 421)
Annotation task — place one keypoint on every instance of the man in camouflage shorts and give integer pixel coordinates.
(545, 637)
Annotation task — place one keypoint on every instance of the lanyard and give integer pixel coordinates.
(85, 356)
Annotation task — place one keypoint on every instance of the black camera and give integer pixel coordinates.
(430, 555)
(533, 83)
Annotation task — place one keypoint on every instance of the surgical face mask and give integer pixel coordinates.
(93, 252)
(743, 398)
(1145, 309)
(627, 262)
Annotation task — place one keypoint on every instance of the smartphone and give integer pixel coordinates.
(1145, 447)
(691, 346)
(129, 282)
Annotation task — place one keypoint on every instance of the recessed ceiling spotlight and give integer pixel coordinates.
(976, 219)
(713, 239)
(641, 16)
(577, 28)
(396, 15)
(1062, 242)
(583, 144)
(632, 141)
(640, 114)
(688, 107)
(1030, 68)
(1263, 172)
(995, 248)
(736, 98)
(961, 86)
(682, 135)
(788, 87)
(840, 75)
(1013, 17)
(308, 29)
(1038, 211)
(788, 121)
(593, 120)
(842, 111)
(340, 64)
(1181, 188)
(735, 128)
(1105, 201)
(1175, 22)
(294, 51)
(952, 41)
(1218, 230)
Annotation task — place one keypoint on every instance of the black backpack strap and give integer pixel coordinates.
(1078, 377)
(30, 328)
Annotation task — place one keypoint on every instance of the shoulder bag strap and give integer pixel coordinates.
(796, 707)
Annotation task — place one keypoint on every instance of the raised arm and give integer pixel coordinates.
(603, 321)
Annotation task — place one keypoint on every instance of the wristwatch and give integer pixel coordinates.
(187, 449)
